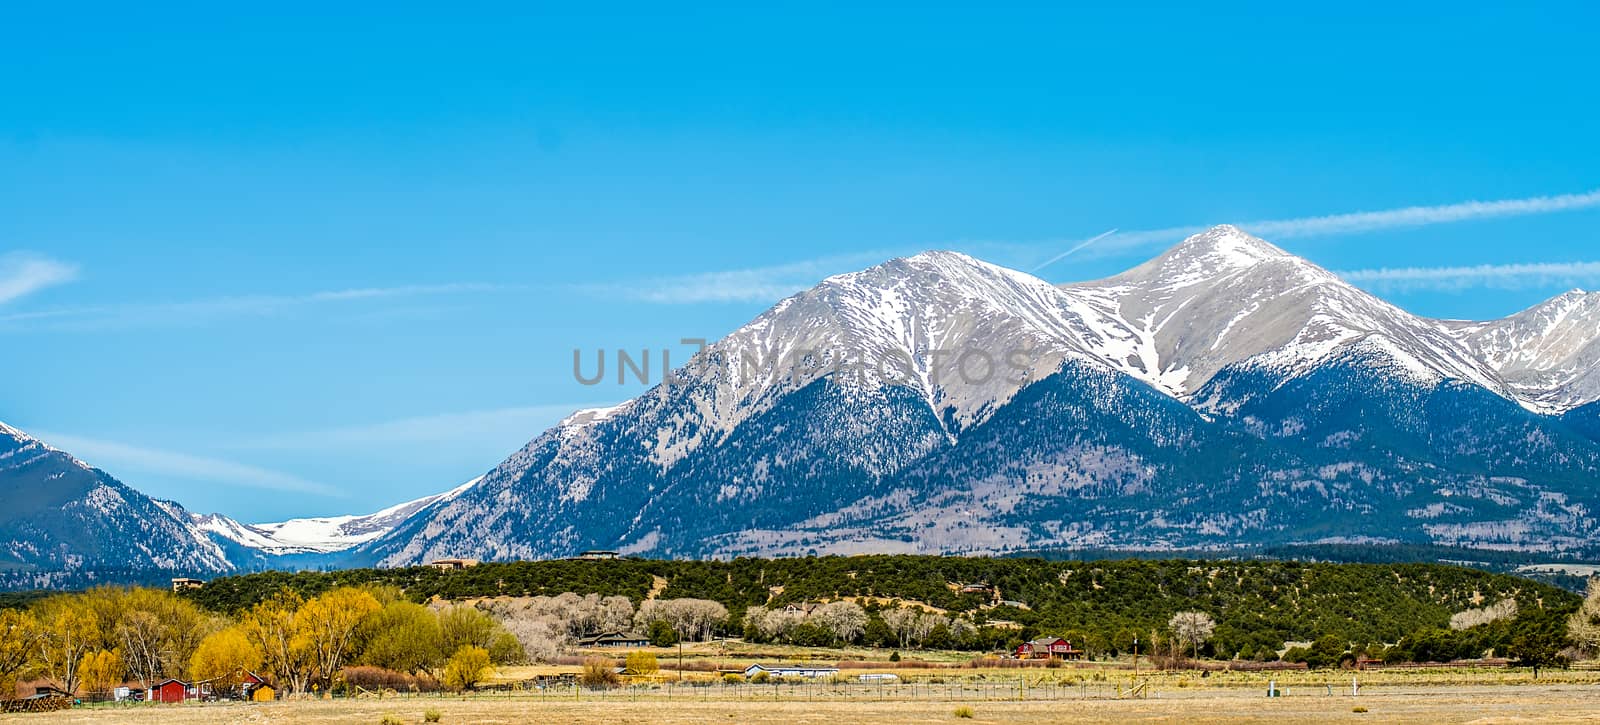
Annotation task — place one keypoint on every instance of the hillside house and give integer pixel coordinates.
(598, 555)
(1048, 648)
(183, 583)
(452, 564)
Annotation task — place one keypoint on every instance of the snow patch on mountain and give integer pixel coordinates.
(321, 535)
(1224, 298)
(1549, 353)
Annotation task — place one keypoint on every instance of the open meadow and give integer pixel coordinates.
(1404, 704)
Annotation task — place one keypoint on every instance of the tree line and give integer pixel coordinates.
(307, 632)
(1255, 603)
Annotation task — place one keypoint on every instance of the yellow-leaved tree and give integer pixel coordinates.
(466, 668)
(70, 630)
(20, 643)
(101, 670)
(156, 630)
(328, 623)
(642, 663)
(223, 657)
(285, 653)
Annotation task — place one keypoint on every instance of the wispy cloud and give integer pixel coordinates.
(128, 459)
(515, 424)
(1497, 276)
(753, 284)
(22, 274)
(214, 308)
(771, 283)
(1361, 221)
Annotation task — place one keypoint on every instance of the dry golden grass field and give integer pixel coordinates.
(1420, 704)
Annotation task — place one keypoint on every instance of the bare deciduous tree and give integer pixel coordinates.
(844, 620)
(1503, 609)
(692, 619)
(1192, 628)
(1584, 625)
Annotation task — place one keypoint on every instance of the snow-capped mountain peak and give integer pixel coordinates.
(1221, 250)
(1223, 298)
(941, 323)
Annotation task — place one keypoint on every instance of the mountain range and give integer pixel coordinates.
(1225, 393)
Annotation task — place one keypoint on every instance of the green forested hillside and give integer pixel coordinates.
(1255, 604)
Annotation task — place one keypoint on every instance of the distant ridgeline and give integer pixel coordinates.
(1510, 562)
(1270, 601)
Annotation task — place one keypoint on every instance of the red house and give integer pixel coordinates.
(169, 691)
(1047, 647)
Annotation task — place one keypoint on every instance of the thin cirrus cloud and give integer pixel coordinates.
(1347, 223)
(152, 461)
(1494, 276)
(754, 284)
(24, 273)
(216, 308)
(496, 428)
(770, 283)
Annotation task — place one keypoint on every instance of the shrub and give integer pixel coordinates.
(963, 712)
(1358, 709)
(391, 720)
(379, 679)
(599, 673)
(733, 678)
(643, 663)
(432, 715)
(894, 657)
(761, 678)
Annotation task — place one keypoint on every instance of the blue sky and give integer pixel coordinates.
(300, 263)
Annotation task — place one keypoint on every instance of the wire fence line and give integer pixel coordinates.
(996, 690)
(823, 691)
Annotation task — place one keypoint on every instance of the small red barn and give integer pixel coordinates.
(1047, 647)
(169, 691)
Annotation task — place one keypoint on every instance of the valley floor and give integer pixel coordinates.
(1424, 704)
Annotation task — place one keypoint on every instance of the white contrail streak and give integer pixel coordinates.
(1075, 248)
(1366, 221)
